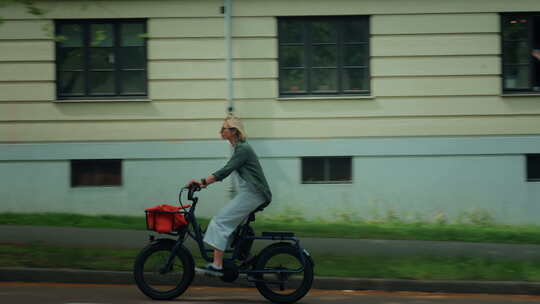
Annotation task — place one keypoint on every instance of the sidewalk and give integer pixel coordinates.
(117, 238)
(134, 239)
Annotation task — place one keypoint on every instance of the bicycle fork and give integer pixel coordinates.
(168, 265)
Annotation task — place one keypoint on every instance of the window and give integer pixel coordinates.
(96, 172)
(324, 56)
(521, 53)
(101, 59)
(326, 170)
(533, 167)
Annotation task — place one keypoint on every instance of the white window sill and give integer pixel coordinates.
(324, 98)
(100, 100)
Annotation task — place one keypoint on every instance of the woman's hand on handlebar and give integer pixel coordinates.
(194, 183)
(201, 183)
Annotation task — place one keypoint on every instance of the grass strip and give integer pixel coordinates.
(73, 220)
(366, 230)
(423, 267)
(408, 231)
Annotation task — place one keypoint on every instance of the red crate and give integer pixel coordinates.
(166, 218)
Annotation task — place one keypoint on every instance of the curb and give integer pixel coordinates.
(333, 283)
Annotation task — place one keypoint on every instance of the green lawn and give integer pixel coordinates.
(423, 267)
(390, 230)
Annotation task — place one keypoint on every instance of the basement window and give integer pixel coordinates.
(533, 167)
(326, 170)
(96, 172)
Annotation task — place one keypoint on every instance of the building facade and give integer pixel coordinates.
(359, 110)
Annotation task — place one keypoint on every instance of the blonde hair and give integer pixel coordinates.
(236, 123)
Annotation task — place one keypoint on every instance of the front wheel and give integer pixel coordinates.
(155, 280)
(284, 287)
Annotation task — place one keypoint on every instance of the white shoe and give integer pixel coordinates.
(210, 270)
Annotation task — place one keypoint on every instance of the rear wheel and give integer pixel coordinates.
(157, 282)
(283, 287)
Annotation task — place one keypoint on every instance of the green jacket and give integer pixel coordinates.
(246, 163)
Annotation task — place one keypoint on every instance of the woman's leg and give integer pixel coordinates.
(218, 258)
(225, 222)
(228, 218)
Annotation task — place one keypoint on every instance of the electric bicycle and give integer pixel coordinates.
(282, 272)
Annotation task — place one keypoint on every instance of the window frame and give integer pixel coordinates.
(308, 55)
(326, 170)
(87, 95)
(534, 73)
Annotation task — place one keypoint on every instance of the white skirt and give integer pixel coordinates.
(233, 214)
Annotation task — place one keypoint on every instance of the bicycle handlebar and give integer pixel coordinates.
(191, 191)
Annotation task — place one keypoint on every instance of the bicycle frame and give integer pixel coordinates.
(197, 235)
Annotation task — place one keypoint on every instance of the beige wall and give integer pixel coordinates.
(435, 70)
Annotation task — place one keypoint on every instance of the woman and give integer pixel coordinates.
(252, 191)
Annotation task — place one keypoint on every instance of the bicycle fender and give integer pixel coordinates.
(278, 244)
(304, 252)
(308, 256)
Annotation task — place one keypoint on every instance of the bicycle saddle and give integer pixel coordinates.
(261, 207)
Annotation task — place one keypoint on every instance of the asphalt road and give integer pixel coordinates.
(136, 239)
(54, 293)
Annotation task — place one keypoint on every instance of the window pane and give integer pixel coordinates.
(323, 31)
(292, 80)
(324, 56)
(102, 83)
(340, 169)
(516, 52)
(70, 35)
(536, 31)
(71, 83)
(516, 77)
(291, 56)
(356, 55)
(324, 80)
(132, 58)
(536, 54)
(70, 59)
(533, 167)
(133, 82)
(101, 58)
(356, 31)
(312, 169)
(515, 28)
(132, 34)
(101, 35)
(536, 76)
(291, 31)
(355, 79)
